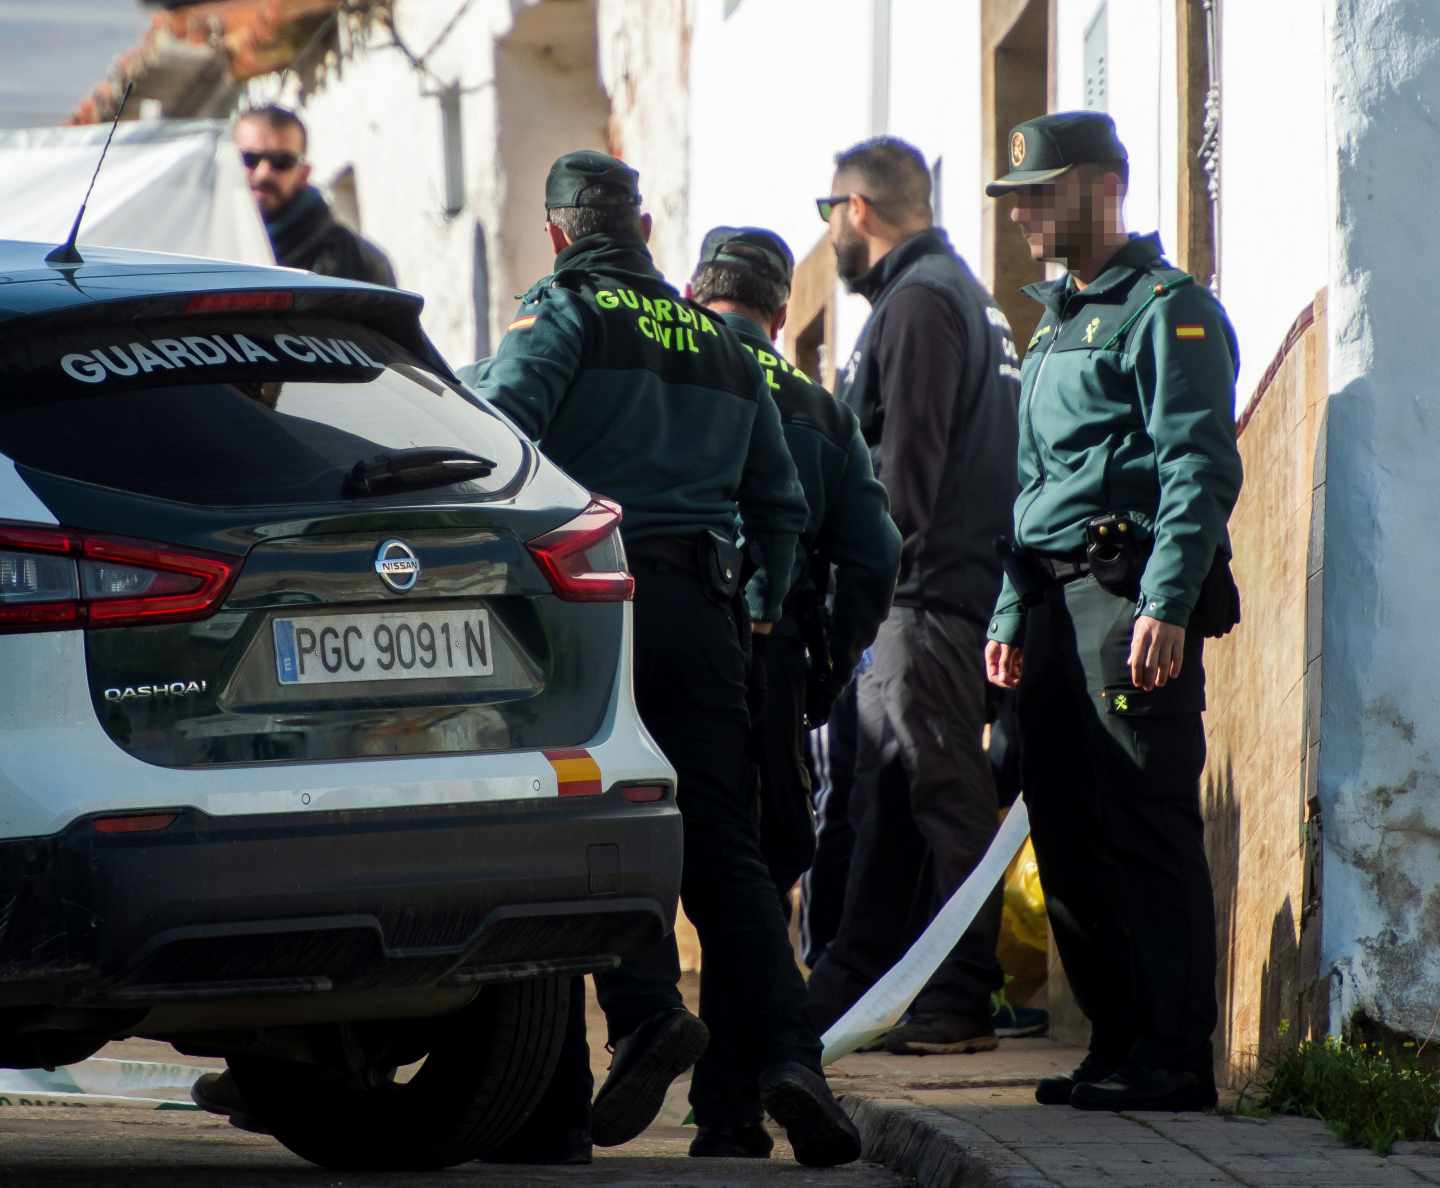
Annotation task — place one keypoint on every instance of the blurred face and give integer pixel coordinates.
(1066, 219)
(274, 163)
(852, 251)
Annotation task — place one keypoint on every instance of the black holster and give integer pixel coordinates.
(1116, 553)
(718, 559)
(822, 683)
(1028, 577)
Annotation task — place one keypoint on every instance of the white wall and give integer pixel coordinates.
(1275, 196)
(935, 104)
(776, 89)
(1379, 778)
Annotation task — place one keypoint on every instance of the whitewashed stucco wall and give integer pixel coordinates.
(1379, 778)
(644, 55)
(376, 118)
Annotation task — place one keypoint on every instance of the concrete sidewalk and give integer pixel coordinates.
(972, 1120)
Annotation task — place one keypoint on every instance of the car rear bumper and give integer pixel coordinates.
(215, 908)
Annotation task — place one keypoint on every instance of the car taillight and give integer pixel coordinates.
(52, 579)
(583, 560)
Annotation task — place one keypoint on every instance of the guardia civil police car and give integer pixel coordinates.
(319, 748)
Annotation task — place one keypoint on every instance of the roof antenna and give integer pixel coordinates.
(67, 253)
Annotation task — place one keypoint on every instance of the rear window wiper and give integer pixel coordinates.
(409, 470)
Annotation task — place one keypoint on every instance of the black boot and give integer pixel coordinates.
(819, 1130)
(1056, 1090)
(217, 1093)
(645, 1063)
(1136, 1087)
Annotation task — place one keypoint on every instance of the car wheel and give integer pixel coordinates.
(487, 1068)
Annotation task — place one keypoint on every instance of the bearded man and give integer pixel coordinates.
(934, 380)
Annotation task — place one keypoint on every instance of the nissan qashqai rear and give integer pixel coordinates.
(319, 747)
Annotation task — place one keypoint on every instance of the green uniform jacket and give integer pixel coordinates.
(849, 525)
(644, 398)
(1127, 404)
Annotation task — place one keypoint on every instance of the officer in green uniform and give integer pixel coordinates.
(744, 276)
(646, 398)
(1119, 567)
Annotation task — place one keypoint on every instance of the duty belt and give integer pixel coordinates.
(1063, 569)
(664, 553)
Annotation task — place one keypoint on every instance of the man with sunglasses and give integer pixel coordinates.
(934, 382)
(303, 230)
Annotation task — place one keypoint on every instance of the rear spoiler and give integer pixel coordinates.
(394, 313)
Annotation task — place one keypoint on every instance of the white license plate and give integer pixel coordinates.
(389, 646)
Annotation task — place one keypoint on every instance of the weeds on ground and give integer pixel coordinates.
(1368, 1094)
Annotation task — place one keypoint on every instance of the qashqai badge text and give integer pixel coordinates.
(397, 565)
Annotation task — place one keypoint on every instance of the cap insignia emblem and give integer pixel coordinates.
(1017, 149)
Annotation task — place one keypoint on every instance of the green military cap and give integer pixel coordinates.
(1050, 146)
(752, 248)
(588, 178)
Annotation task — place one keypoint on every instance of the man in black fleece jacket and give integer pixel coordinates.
(934, 380)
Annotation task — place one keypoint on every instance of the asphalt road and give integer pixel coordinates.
(97, 1146)
(46, 1147)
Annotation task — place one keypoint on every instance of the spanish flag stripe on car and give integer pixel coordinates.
(576, 772)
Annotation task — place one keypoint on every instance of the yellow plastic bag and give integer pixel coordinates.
(1024, 931)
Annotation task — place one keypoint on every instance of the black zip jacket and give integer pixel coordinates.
(304, 234)
(934, 381)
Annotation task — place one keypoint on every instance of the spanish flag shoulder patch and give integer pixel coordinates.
(1190, 331)
(522, 323)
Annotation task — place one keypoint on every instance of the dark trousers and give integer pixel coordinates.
(1112, 779)
(831, 755)
(782, 778)
(690, 685)
(925, 813)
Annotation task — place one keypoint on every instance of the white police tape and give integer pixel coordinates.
(880, 1008)
(100, 1081)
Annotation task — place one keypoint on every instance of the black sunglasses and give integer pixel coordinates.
(280, 162)
(826, 205)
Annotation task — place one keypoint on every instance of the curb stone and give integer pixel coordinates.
(935, 1149)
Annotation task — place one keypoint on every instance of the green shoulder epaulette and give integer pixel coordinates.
(1157, 291)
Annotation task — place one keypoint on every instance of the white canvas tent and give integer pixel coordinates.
(167, 185)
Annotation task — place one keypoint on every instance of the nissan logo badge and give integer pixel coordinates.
(397, 566)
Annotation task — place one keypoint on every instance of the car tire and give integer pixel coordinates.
(487, 1069)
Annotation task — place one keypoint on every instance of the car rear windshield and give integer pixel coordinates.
(234, 411)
